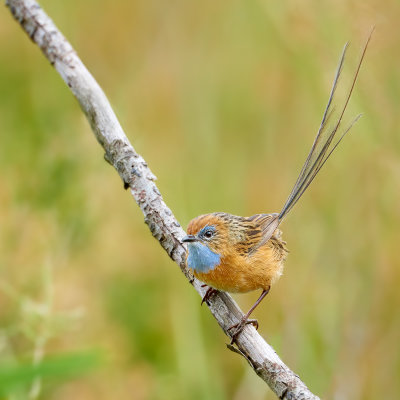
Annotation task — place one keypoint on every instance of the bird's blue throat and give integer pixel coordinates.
(201, 258)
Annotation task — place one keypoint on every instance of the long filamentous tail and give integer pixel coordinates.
(324, 143)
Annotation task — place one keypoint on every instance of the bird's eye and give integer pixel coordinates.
(208, 234)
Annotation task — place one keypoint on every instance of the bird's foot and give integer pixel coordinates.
(240, 326)
(210, 292)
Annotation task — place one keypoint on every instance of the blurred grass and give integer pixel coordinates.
(223, 100)
(14, 377)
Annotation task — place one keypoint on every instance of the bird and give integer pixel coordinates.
(241, 254)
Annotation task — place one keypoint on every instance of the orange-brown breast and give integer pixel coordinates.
(240, 274)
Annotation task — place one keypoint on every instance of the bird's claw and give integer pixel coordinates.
(240, 326)
(210, 291)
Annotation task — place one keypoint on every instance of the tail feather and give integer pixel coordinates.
(324, 143)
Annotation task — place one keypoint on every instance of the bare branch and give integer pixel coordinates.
(136, 175)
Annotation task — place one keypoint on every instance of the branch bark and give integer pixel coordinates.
(136, 175)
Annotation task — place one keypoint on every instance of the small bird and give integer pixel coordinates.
(241, 254)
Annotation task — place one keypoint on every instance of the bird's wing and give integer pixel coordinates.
(258, 230)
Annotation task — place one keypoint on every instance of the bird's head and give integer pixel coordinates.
(207, 240)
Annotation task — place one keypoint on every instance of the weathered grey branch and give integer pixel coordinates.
(137, 176)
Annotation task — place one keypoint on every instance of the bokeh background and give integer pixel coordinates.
(223, 99)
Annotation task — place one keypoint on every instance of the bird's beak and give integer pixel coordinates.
(188, 239)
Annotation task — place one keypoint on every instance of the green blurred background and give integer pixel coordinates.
(223, 99)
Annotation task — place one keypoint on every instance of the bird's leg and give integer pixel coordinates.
(245, 320)
(209, 293)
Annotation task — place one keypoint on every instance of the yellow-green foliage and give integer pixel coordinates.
(223, 99)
